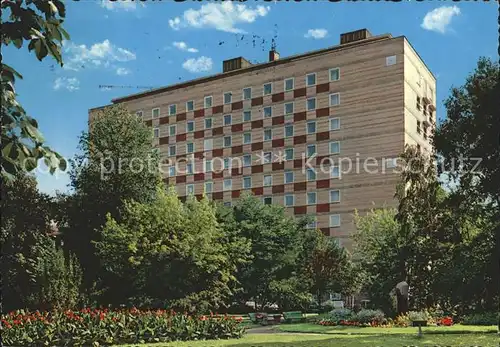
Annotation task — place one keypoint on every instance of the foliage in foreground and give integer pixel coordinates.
(35, 272)
(171, 254)
(93, 327)
(40, 23)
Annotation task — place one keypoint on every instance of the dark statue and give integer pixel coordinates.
(402, 289)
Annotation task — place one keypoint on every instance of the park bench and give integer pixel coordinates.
(294, 316)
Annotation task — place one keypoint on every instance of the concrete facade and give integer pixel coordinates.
(356, 104)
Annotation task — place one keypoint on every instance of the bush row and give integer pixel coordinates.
(344, 316)
(94, 327)
(485, 318)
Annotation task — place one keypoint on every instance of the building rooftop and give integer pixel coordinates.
(240, 65)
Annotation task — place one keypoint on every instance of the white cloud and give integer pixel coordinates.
(70, 84)
(440, 18)
(201, 64)
(103, 54)
(122, 71)
(123, 5)
(316, 34)
(223, 17)
(184, 47)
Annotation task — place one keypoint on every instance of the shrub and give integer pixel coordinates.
(402, 320)
(91, 327)
(369, 316)
(485, 318)
(339, 314)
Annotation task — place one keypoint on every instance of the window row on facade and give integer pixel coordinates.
(246, 139)
(246, 93)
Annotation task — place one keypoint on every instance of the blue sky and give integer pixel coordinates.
(160, 43)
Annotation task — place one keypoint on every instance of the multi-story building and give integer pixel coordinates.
(255, 127)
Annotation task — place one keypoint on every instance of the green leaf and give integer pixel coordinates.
(18, 43)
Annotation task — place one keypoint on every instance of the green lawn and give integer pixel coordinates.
(454, 329)
(309, 340)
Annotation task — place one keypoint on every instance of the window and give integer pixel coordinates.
(172, 110)
(334, 74)
(334, 171)
(207, 144)
(418, 127)
(247, 93)
(228, 97)
(190, 126)
(311, 198)
(390, 60)
(334, 124)
(289, 200)
(267, 157)
(208, 101)
(268, 89)
(268, 112)
(172, 150)
(171, 171)
(310, 79)
(172, 130)
(289, 130)
(289, 108)
(156, 132)
(247, 160)
(190, 105)
(208, 166)
(418, 103)
(334, 147)
(311, 104)
(289, 84)
(268, 200)
(228, 184)
(311, 174)
(268, 134)
(227, 163)
(247, 182)
(247, 116)
(289, 177)
(334, 220)
(268, 180)
(227, 203)
(190, 147)
(190, 189)
(334, 99)
(334, 195)
(208, 123)
(155, 113)
(289, 154)
(227, 141)
(228, 119)
(311, 127)
(189, 168)
(247, 138)
(311, 150)
(209, 187)
(139, 114)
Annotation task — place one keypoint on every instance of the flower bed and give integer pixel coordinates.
(94, 327)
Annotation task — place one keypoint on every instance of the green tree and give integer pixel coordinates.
(275, 243)
(467, 142)
(326, 266)
(35, 274)
(116, 164)
(170, 253)
(377, 246)
(40, 23)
